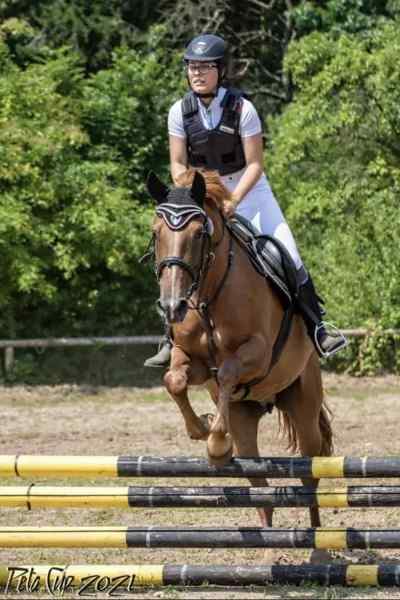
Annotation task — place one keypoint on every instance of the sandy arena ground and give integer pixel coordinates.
(115, 421)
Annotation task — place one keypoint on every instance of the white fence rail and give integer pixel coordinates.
(68, 342)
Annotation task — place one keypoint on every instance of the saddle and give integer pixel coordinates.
(269, 257)
(271, 260)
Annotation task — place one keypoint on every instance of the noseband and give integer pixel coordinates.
(176, 217)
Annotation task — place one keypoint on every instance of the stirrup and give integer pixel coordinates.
(329, 327)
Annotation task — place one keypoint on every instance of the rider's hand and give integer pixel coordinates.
(228, 208)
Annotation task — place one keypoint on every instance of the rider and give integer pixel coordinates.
(217, 128)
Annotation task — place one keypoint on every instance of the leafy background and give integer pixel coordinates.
(84, 95)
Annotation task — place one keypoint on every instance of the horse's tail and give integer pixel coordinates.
(325, 417)
(301, 391)
(287, 428)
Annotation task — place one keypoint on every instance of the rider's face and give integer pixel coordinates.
(203, 76)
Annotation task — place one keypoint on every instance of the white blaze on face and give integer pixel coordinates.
(175, 272)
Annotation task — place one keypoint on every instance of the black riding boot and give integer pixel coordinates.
(327, 339)
(163, 356)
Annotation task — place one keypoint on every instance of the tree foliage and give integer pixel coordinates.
(342, 16)
(335, 165)
(84, 94)
(93, 29)
(74, 155)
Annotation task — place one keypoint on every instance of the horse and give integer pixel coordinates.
(225, 319)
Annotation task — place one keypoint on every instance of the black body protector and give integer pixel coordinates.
(218, 149)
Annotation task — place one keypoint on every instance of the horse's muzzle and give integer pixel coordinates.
(173, 310)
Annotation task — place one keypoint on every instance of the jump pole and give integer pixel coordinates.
(145, 466)
(230, 537)
(127, 577)
(37, 496)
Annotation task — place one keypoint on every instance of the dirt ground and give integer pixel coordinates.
(130, 421)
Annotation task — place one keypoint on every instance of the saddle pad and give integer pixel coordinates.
(268, 257)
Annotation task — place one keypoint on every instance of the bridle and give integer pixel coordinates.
(176, 217)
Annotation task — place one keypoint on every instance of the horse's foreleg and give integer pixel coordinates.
(182, 373)
(247, 359)
(219, 443)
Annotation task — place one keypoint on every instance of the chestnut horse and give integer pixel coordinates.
(225, 319)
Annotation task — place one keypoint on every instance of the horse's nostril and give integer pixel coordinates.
(172, 310)
(182, 305)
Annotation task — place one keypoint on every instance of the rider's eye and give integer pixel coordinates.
(198, 234)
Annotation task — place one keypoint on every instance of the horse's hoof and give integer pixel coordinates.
(202, 429)
(220, 449)
(207, 421)
(320, 557)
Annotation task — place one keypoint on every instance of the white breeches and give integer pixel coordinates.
(261, 208)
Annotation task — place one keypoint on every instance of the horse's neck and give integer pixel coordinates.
(222, 278)
(227, 254)
(216, 270)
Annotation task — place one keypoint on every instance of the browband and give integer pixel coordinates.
(177, 216)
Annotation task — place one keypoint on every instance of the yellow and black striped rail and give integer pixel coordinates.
(38, 496)
(114, 579)
(137, 466)
(191, 537)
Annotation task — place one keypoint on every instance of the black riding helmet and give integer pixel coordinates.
(207, 47)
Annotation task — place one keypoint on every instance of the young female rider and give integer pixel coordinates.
(214, 127)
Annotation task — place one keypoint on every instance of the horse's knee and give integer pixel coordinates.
(176, 381)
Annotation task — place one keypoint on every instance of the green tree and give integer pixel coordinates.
(335, 165)
(72, 220)
(125, 108)
(342, 16)
(93, 29)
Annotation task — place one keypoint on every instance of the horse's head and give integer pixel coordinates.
(183, 233)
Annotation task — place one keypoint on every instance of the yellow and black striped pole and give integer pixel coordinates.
(191, 537)
(137, 466)
(41, 496)
(114, 579)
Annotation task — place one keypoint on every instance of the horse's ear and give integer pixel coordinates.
(156, 188)
(199, 188)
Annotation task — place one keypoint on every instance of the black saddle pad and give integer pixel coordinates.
(268, 256)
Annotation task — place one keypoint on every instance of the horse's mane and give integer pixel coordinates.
(216, 191)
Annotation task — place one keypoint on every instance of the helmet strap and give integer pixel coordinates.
(208, 95)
